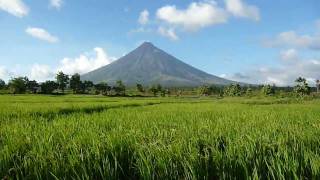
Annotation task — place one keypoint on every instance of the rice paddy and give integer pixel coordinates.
(92, 137)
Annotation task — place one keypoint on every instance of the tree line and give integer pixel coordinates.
(62, 82)
(73, 83)
(301, 88)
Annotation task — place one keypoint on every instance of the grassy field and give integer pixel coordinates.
(90, 137)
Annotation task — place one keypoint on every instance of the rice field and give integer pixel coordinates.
(91, 137)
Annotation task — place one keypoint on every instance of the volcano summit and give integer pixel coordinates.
(150, 65)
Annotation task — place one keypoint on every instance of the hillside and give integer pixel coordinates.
(150, 65)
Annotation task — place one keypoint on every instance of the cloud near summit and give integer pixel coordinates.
(198, 15)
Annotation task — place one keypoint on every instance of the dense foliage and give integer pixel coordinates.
(2, 84)
(18, 85)
(233, 90)
(65, 84)
(62, 80)
(48, 87)
(302, 88)
(268, 90)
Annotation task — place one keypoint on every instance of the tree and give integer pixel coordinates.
(268, 90)
(140, 88)
(75, 83)
(233, 90)
(159, 87)
(32, 86)
(88, 85)
(168, 92)
(2, 84)
(120, 88)
(48, 87)
(215, 90)
(318, 85)
(85, 86)
(249, 92)
(302, 88)
(18, 85)
(62, 80)
(163, 93)
(204, 90)
(154, 90)
(102, 88)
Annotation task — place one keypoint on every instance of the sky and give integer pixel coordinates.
(253, 41)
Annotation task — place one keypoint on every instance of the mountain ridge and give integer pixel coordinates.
(150, 65)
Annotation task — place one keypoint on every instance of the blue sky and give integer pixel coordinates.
(256, 41)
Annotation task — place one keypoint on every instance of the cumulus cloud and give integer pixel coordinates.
(41, 72)
(85, 62)
(292, 39)
(202, 14)
(289, 55)
(168, 32)
(14, 71)
(3, 72)
(198, 15)
(284, 74)
(14, 7)
(41, 34)
(239, 9)
(56, 3)
(144, 17)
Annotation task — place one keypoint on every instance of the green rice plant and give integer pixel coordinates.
(93, 137)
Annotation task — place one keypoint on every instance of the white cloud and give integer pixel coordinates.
(284, 74)
(41, 34)
(168, 32)
(3, 72)
(292, 39)
(198, 15)
(56, 3)
(202, 14)
(239, 9)
(14, 71)
(85, 62)
(144, 17)
(14, 7)
(41, 72)
(289, 55)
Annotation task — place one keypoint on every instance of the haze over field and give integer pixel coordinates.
(249, 41)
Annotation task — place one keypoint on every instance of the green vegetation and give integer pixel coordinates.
(302, 88)
(96, 137)
(2, 84)
(65, 84)
(18, 85)
(62, 80)
(48, 87)
(268, 90)
(233, 90)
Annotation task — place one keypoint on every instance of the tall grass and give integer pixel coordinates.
(43, 137)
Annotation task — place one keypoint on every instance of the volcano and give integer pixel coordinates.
(149, 65)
